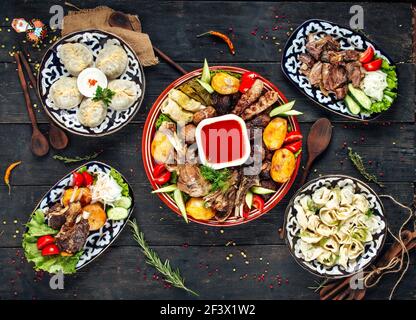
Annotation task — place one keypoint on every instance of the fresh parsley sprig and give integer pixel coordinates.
(217, 178)
(103, 94)
(358, 163)
(171, 276)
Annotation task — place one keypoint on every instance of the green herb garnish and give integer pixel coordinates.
(162, 118)
(77, 158)
(358, 163)
(217, 178)
(171, 276)
(105, 95)
(120, 181)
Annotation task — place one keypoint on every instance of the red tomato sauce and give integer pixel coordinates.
(223, 141)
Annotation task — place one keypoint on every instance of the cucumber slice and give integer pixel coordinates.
(178, 197)
(206, 86)
(170, 188)
(123, 202)
(261, 190)
(352, 105)
(360, 97)
(283, 108)
(206, 74)
(117, 213)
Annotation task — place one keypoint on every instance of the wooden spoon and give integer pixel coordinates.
(39, 144)
(318, 140)
(121, 20)
(57, 137)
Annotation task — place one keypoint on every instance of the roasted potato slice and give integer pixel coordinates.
(195, 207)
(82, 195)
(274, 134)
(161, 148)
(224, 83)
(97, 216)
(283, 165)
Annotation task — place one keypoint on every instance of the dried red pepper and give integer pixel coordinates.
(222, 36)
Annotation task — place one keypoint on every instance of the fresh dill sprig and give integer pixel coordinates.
(171, 276)
(77, 158)
(103, 94)
(358, 163)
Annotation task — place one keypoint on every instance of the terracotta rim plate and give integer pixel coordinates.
(149, 131)
(51, 69)
(372, 248)
(348, 39)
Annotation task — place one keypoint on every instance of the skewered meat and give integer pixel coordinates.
(56, 216)
(191, 181)
(265, 170)
(249, 97)
(206, 113)
(265, 101)
(261, 120)
(72, 236)
(223, 201)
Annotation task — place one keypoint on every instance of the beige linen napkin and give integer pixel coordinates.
(97, 18)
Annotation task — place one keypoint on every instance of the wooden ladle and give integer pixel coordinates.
(121, 20)
(318, 140)
(39, 144)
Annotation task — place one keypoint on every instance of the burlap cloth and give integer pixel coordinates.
(97, 18)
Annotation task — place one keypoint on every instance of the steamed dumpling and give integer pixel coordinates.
(112, 60)
(125, 94)
(75, 57)
(91, 113)
(65, 94)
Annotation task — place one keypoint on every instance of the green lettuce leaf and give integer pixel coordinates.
(119, 179)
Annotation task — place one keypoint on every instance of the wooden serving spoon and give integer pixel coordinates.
(121, 20)
(57, 137)
(39, 144)
(318, 140)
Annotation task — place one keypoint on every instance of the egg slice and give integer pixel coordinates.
(89, 79)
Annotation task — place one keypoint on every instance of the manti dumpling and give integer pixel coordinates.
(184, 101)
(125, 95)
(112, 60)
(91, 113)
(175, 112)
(75, 57)
(65, 94)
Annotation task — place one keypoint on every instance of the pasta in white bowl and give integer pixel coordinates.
(335, 226)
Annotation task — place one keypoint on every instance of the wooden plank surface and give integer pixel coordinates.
(199, 251)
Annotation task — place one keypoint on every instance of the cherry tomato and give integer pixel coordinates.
(78, 179)
(50, 250)
(44, 241)
(367, 55)
(247, 80)
(246, 211)
(88, 179)
(161, 174)
(258, 202)
(373, 65)
(294, 147)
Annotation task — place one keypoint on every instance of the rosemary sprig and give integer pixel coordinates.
(103, 94)
(358, 163)
(171, 276)
(77, 158)
(319, 285)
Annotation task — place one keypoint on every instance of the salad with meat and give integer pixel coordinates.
(55, 237)
(366, 82)
(217, 99)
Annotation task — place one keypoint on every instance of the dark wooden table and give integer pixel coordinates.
(240, 262)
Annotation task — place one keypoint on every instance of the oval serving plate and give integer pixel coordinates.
(372, 249)
(51, 69)
(348, 39)
(149, 131)
(97, 241)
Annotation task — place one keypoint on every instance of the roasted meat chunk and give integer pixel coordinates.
(72, 236)
(56, 216)
(191, 181)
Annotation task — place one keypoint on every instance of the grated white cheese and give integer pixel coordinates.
(374, 83)
(105, 189)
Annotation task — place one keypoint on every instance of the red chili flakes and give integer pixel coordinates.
(92, 82)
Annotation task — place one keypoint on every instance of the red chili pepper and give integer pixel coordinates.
(78, 179)
(292, 137)
(50, 250)
(247, 80)
(258, 202)
(44, 241)
(221, 36)
(161, 174)
(367, 55)
(294, 147)
(88, 179)
(373, 65)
